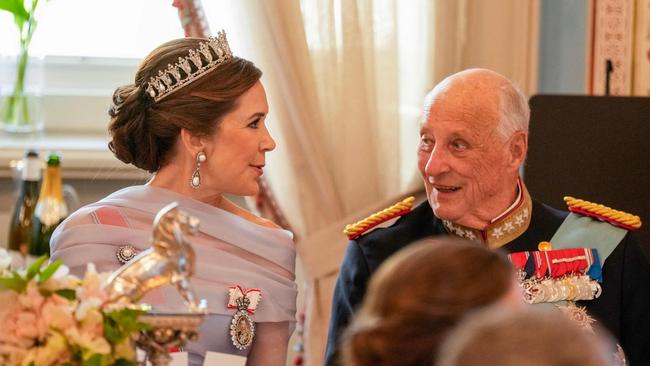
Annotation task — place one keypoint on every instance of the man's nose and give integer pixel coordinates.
(438, 162)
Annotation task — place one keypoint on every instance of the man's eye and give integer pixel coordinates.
(426, 144)
(459, 145)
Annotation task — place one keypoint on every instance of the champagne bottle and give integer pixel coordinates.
(50, 209)
(20, 229)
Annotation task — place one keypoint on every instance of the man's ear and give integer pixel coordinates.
(192, 143)
(518, 148)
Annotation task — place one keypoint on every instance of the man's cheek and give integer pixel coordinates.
(422, 162)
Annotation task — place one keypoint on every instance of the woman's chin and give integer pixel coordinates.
(252, 190)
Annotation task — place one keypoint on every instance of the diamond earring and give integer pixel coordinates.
(195, 180)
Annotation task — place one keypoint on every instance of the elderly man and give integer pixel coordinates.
(473, 140)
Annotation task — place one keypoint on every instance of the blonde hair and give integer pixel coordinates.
(530, 337)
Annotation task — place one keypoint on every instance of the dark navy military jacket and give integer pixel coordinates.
(621, 307)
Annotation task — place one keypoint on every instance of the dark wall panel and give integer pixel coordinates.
(594, 148)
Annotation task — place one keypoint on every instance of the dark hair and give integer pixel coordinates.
(143, 131)
(418, 295)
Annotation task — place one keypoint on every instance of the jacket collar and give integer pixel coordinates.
(503, 229)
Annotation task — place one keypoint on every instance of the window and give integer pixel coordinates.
(93, 28)
(89, 47)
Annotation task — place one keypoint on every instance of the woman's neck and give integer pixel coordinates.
(169, 180)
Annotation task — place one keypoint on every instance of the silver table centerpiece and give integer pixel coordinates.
(170, 260)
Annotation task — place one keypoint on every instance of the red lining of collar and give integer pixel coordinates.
(611, 221)
(521, 202)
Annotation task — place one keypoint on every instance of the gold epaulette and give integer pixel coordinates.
(615, 217)
(362, 226)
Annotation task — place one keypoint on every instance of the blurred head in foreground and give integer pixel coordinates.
(419, 294)
(529, 337)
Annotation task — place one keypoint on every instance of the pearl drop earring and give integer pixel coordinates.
(430, 179)
(195, 180)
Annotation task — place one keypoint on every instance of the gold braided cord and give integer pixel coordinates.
(379, 217)
(610, 213)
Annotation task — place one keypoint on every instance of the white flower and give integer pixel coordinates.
(85, 306)
(5, 260)
(61, 273)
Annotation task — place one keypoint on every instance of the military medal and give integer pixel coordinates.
(242, 327)
(558, 275)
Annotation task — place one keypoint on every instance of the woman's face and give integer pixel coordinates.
(236, 151)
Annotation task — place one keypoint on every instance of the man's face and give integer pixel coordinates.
(466, 165)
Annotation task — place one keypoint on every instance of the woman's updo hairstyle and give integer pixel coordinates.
(143, 131)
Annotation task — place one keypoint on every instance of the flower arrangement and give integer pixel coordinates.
(49, 317)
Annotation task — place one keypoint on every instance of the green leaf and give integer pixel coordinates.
(112, 330)
(95, 360)
(17, 8)
(124, 362)
(120, 324)
(67, 293)
(15, 283)
(49, 270)
(35, 268)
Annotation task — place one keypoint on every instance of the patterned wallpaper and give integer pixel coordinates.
(621, 33)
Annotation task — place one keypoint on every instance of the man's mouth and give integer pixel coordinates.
(445, 189)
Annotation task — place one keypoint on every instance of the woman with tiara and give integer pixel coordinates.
(195, 117)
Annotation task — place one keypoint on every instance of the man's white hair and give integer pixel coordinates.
(514, 112)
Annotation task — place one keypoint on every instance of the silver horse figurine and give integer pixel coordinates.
(170, 260)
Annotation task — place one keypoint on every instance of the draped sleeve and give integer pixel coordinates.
(230, 251)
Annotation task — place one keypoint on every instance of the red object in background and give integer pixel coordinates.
(192, 18)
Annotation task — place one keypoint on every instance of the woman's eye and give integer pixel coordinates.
(254, 124)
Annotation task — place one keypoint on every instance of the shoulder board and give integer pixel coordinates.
(363, 226)
(614, 217)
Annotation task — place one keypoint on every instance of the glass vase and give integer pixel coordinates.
(21, 94)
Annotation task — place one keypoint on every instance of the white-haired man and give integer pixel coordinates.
(473, 141)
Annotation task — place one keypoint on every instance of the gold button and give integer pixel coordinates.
(544, 246)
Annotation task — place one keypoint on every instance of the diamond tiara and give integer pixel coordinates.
(208, 56)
